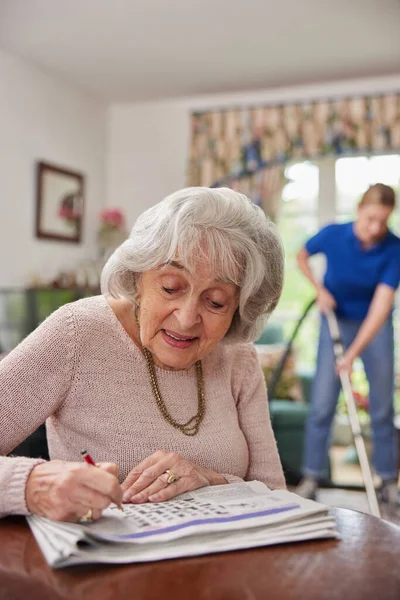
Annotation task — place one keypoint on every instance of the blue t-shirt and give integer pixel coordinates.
(352, 273)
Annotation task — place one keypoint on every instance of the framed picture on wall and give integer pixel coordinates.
(59, 203)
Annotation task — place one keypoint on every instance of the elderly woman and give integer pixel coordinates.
(155, 377)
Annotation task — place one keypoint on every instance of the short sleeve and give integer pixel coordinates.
(391, 274)
(320, 241)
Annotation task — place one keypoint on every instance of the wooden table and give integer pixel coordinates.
(363, 565)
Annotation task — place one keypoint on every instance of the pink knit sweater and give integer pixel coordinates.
(82, 372)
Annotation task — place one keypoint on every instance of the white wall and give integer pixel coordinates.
(148, 143)
(147, 149)
(44, 119)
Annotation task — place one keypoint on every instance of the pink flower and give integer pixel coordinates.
(67, 213)
(112, 217)
(70, 208)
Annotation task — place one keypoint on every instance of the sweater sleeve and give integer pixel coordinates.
(34, 381)
(254, 420)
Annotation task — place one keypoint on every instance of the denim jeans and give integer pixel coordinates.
(378, 360)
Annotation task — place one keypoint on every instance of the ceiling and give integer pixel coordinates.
(132, 50)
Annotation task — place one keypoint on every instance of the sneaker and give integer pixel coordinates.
(389, 493)
(307, 488)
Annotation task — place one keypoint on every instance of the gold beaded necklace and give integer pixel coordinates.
(191, 427)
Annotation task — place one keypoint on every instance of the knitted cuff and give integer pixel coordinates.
(231, 478)
(14, 473)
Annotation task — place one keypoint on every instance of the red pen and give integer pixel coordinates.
(89, 460)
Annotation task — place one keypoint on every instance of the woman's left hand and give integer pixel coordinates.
(149, 480)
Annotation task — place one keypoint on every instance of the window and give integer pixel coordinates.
(297, 222)
(354, 175)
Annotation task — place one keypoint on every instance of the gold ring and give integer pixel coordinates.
(88, 517)
(171, 476)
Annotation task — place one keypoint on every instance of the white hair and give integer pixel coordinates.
(238, 241)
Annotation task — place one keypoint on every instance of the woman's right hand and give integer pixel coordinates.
(325, 300)
(65, 491)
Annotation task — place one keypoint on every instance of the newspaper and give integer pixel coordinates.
(211, 519)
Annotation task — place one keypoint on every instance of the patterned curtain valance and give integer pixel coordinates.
(230, 145)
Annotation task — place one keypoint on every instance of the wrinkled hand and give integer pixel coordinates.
(148, 481)
(325, 300)
(345, 363)
(65, 491)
